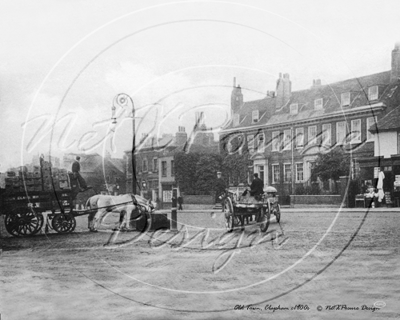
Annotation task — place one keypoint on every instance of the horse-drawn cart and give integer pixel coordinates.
(25, 212)
(240, 206)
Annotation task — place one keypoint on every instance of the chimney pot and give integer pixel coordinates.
(270, 94)
(283, 90)
(316, 82)
(395, 72)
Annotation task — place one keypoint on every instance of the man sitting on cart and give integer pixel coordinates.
(76, 168)
(257, 187)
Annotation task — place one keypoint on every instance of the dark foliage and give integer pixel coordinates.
(235, 166)
(206, 173)
(196, 173)
(331, 165)
(313, 189)
(185, 171)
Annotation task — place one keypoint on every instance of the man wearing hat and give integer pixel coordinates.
(257, 186)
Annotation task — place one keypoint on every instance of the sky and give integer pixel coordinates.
(62, 63)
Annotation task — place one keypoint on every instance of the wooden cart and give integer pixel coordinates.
(23, 211)
(240, 207)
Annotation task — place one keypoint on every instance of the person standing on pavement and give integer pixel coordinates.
(76, 168)
(220, 187)
(180, 202)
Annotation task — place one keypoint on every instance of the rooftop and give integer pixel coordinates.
(330, 94)
(389, 122)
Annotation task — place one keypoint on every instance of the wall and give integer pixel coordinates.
(385, 144)
(331, 200)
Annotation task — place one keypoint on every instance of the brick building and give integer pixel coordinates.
(285, 131)
(155, 169)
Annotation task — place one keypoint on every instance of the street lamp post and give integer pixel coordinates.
(124, 101)
(293, 171)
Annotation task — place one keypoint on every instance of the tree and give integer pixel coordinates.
(235, 166)
(185, 173)
(206, 173)
(331, 165)
(196, 173)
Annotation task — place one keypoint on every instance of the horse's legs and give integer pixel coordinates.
(99, 217)
(127, 218)
(121, 218)
(90, 220)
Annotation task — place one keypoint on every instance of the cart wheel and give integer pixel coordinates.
(229, 218)
(11, 224)
(23, 223)
(265, 218)
(63, 223)
(278, 213)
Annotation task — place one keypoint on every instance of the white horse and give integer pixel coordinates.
(126, 205)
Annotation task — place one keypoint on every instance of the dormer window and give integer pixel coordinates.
(373, 93)
(294, 108)
(236, 118)
(255, 116)
(345, 99)
(318, 104)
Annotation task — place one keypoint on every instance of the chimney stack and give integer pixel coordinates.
(181, 136)
(316, 83)
(283, 90)
(236, 98)
(270, 94)
(395, 71)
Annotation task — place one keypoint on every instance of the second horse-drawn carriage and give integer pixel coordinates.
(240, 207)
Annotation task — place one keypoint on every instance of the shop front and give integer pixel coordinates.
(370, 169)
